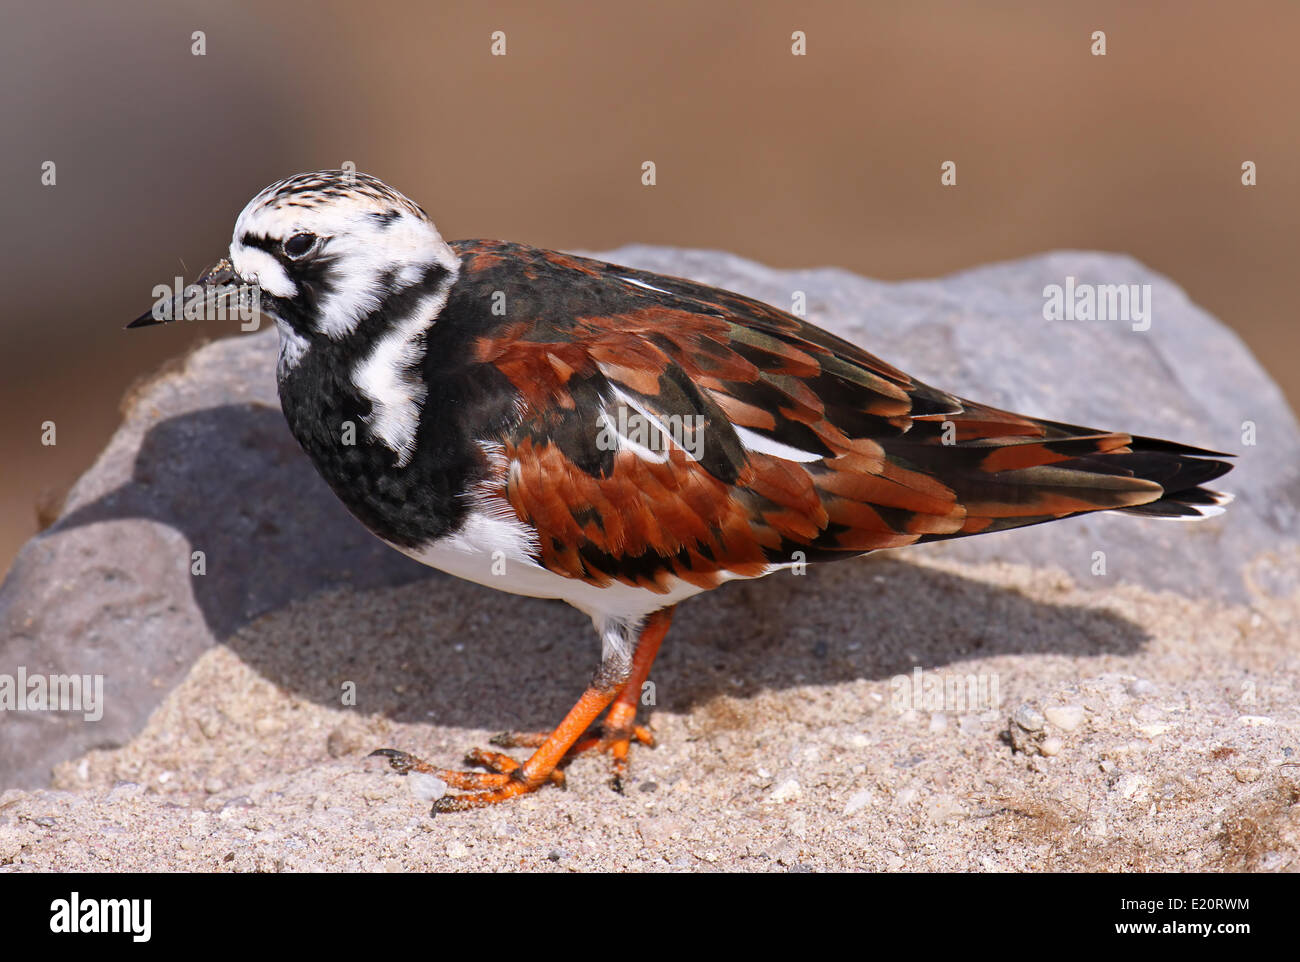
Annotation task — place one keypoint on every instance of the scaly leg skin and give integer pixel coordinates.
(612, 683)
(619, 728)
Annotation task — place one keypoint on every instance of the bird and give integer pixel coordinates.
(561, 427)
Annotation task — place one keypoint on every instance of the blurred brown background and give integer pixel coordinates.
(827, 159)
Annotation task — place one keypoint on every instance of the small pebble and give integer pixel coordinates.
(857, 802)
(1029, 718)
(266, 725)
(1255, 720)
(1155, 731)
(787, 791)
(971, 725)
(1131, 785)
(210, 725)
(455, 848)
(426, 787)
(657, 831)
(1065, 717)
(1051, 746)
(785, 854)
(943, 809)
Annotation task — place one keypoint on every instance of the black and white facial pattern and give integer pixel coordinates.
(341, 258)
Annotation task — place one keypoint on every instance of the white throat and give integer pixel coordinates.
(292, 348)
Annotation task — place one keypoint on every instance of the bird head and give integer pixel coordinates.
(319, 253)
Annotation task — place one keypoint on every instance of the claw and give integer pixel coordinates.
(404, 763)
(401, 762)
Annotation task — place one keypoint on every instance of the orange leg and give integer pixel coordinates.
(618, 680)
(620, 723)
(619, 729)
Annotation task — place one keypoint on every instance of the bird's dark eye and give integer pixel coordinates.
(299, 244)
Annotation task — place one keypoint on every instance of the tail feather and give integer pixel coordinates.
(1180, 470)
(1010, 471)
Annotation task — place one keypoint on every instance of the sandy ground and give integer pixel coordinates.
(1152, 732)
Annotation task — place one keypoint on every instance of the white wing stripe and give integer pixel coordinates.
(765, 445)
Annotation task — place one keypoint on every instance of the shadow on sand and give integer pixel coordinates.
(234, 482)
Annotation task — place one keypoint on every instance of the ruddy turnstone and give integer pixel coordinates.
(561, 427)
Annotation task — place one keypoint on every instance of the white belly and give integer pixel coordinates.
(496, 551)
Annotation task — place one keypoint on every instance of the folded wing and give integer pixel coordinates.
(669, 429)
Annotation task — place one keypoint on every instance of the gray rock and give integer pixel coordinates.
(204, 461)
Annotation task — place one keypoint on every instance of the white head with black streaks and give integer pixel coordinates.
(330, 249)
(335, 244)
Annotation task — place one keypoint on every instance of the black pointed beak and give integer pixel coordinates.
(217, 290)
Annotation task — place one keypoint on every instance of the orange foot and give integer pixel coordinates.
(504, 778)
(507, 778)
(614, 735)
